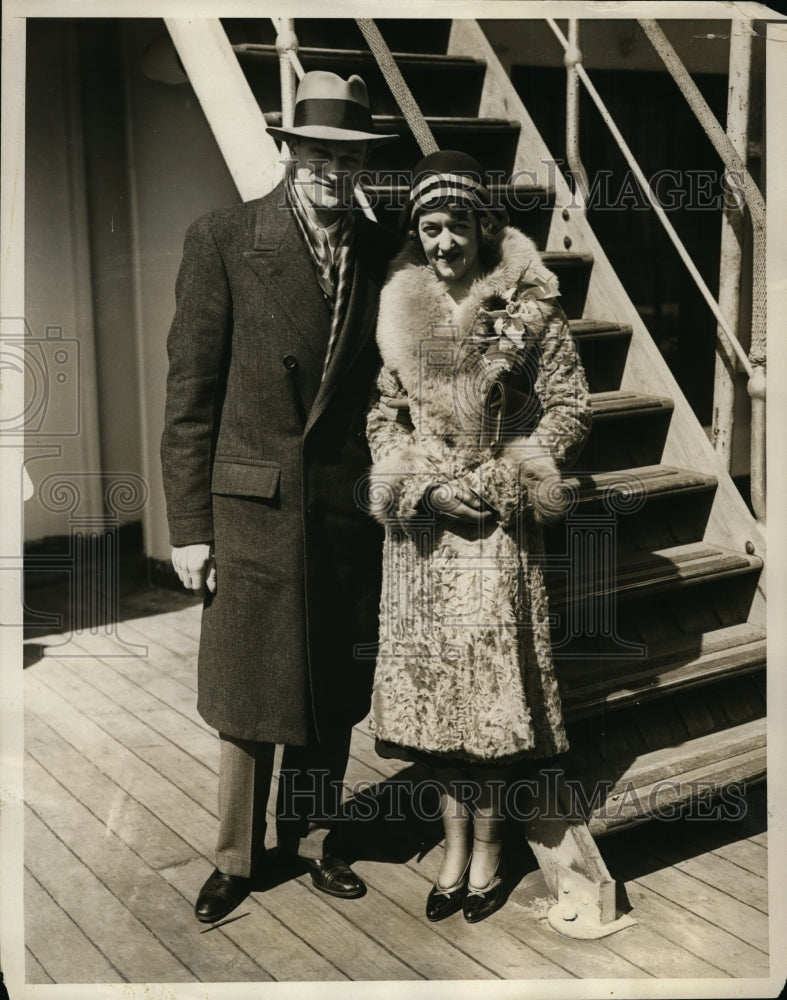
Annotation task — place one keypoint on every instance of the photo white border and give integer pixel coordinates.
(12, 950)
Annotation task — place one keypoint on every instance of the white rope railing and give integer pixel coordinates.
(733, 162)
(753, 363)
(732, 344)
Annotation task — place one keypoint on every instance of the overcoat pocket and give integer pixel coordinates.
(245, 477)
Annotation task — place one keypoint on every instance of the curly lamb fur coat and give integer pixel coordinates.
(464, 668)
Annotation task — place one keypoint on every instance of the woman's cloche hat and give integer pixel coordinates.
(330, 108)
(450, 177)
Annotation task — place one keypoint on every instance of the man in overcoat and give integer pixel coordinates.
(272, 357)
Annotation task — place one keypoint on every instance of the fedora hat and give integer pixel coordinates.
(330, 108)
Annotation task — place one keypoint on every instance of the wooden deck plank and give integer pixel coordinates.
(731, 956)
(175, 721)
(46, 922)
(503, 955)
(122, 815)
(400, 928)
(514, 942)
(185, 771)
(736, 882)
(201, 836)
(166, 659)
(195, 824)
(751, 855)
(286, 955)
(92, 905)
(712, 859)
(730, 915)
(147, 896)
(34, 971)
(339, 932)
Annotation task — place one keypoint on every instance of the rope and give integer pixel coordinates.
(398, 87)
(732, 162)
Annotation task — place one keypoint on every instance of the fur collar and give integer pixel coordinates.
(415, 307)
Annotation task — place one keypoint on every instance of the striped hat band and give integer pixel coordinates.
(443, 188)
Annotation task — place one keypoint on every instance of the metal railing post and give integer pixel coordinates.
(732, 231)
(573, 58)
(286, 43)
(756, 389)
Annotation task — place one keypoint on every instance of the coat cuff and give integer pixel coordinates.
(190, 529)
(397, 483)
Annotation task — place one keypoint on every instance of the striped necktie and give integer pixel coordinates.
(334, 271)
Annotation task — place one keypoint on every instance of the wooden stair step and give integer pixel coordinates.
(395, 195)
(664, 569)
(616, 440)
(441, 84)
(573, 273)
(491, 141)
(596, 683)
(412, 35)
(598, 329)
(400, 34)
(626, 403)
(603, 348)
(663, 779)
(649, 481)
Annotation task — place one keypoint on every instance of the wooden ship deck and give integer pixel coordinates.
(120, 820)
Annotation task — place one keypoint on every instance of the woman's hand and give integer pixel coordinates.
(396, 409)
(455, 499)
(195, 566)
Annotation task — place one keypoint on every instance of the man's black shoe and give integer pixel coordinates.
(220, 895)
(334, 876)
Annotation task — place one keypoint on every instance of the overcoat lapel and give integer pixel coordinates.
(283, 264)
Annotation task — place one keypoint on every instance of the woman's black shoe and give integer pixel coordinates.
(480, 903)
(441, 903)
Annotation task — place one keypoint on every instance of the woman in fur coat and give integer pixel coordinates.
(464, 675)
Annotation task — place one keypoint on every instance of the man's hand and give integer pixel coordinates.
(455, 499)
(195, 566)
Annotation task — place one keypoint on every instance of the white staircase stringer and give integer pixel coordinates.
(232, 111)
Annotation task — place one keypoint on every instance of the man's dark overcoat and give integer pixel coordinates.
(265, 459)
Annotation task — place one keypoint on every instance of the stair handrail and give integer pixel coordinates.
(732, 163)
(754, 366)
